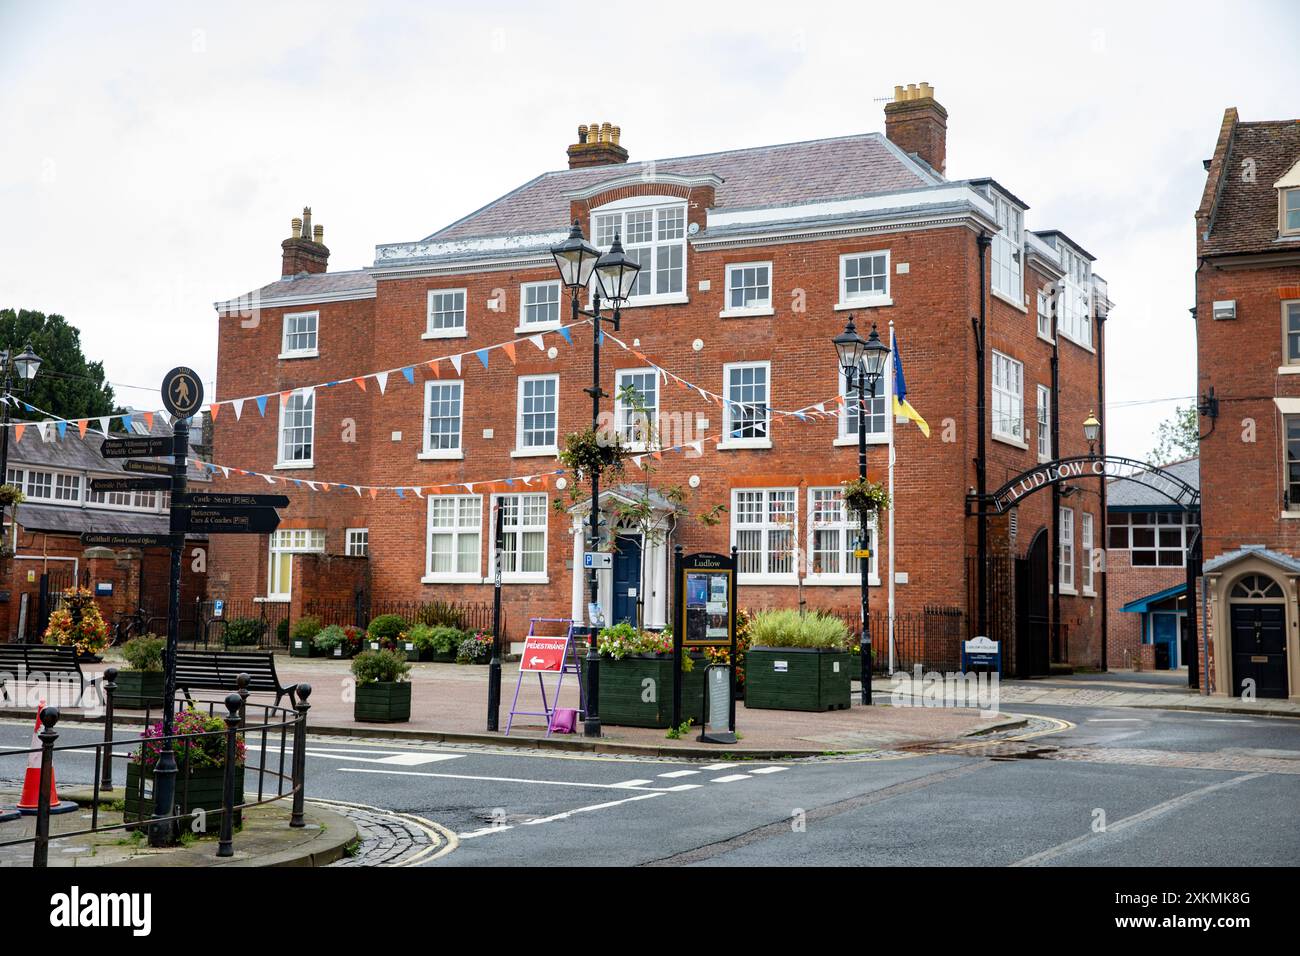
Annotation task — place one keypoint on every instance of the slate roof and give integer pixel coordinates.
(1283, 561)
(786, 174)
(1123, 493)
(323, 285)
(61, 519)
(1242, 216)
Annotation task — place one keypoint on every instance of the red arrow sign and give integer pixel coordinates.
(543, 654)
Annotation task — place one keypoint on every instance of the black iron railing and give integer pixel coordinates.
(278, 733)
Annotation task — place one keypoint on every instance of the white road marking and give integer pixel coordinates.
(461, 776)
(484, 832)
(628, 784)
(1149, 813)
(595, 806)
(1227, 720)
(732, 778)
(680, 773)
(683, 786)
(769, 769)
(402, 758)
(719, 766)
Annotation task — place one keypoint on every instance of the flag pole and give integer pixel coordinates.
(890, 416)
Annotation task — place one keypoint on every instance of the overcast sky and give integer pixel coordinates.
(154, 153)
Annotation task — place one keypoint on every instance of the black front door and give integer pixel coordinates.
(1259, 649)
(627, 579)
(1031, 610)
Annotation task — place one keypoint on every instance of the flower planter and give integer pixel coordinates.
(342, 652)
(797, 678)
(302, 647)
(199, 789)
(382, 702)
(408, 651)
(624, 690)
(438, 657)
(137, 690)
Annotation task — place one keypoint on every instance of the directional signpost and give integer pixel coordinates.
(229, 520)
(148, 468)
(135, 447)
(101, 485)
(96, 540)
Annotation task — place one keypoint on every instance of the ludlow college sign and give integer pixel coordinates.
(1093, 466)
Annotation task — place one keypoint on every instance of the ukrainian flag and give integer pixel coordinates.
(901, 405)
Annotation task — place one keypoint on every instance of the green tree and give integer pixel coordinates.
(1177, 438)
(67, 385)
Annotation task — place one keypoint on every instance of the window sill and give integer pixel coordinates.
(1010, 301)
(1013, 442)
(1288, 370)
(452, 579)
(784, 579)
(871, 303)
(521, 579)
(1068, 592)
(446, 454)
(1043, 459)
(550, 452)
(746, 313)
(446, 334)
(839, 580)
(852, 440)
(1291, 515)
(294, 465)
(537, 327)
(1088, 594)
(674, 298)
(741, 444)
(1046, 338)
(308, 354)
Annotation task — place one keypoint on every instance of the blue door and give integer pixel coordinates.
(1164, 632)
(627, 579)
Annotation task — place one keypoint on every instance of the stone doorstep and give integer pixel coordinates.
(266, 840)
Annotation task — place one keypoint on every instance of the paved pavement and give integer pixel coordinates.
(1079, 785)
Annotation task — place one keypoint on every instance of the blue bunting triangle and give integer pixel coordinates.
(483, 356)
(261, 405)
(568, 336)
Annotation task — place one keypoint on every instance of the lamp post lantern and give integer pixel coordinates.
(863, 362)
(26, 363)
(1091, 431)
(576, 259)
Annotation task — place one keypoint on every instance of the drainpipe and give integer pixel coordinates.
(982, 242)
(1101, 450)
(1056, 487)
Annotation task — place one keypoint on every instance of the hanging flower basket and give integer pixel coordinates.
(588, 451)
(863, 497)
(11, 495)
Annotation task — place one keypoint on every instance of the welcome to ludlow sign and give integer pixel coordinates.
(1092, 466)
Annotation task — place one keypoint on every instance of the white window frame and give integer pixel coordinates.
(1288, 306)
(1008, 395)
(299, 541)
(761, 307)
(645, 436)
(848, 529)
(848, 435)
(649, 251)
(449, 332)
(1045, 305)
(457, 530)
(1074, 301)
(1008, 260)
(508, 527)
(428, 452)
(357, 543)
(1044, 408)
(860, 301)
(533, 451)
(301, 395)
(1066, 557)
(39, 484)
(311, 351)
(527, 326)
(766, 527)
(1086, 583)
(66, 478)
(729, 442)
(1283, 195)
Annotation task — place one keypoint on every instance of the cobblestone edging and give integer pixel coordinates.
(387, 838)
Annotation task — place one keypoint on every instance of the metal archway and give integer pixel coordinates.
(1094, 466)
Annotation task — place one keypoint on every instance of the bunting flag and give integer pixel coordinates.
(361, 382)
(409, 373)
(238, 406)
(482, 355)
(261, 405)
(148, 420)
(81, 426)
(509, 349)
(382, 379)
(19, 428)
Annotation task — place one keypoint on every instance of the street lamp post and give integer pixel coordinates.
(26, 363)
(576, 259)
(863, 362)
(1091, 432)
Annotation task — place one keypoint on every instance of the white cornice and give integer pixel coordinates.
(419, 268)
(243, 305)
(859, 227)
(639, 179)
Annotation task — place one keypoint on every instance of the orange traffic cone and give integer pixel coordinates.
(28, 802)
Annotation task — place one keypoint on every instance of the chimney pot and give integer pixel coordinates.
(305, 251)
(616, 132)
(582, 133)
(318, 235)
(597, 145)
(296, 225)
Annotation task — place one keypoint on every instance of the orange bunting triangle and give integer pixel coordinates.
(212, 411)
(148, 420)
(361, 382)
(374, 492)
(81, 426)
(18, 432)
(437, 372)
(509, 349)
(284, 398)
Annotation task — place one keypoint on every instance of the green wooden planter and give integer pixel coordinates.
(137, 690)
(196, 790)
(408, 651)
(797, 678)
(624, 688)
(438, 657)
(383, 702)
(343, 652)
(302, 647)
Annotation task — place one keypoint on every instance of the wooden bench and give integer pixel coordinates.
(219, 670)
(18, 662)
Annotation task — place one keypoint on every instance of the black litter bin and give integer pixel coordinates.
(1162, 657)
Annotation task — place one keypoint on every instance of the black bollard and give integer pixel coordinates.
(225, 843)
(300, 756)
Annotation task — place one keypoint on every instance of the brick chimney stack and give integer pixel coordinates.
(597, 145)
(916, 123)
(305, 250)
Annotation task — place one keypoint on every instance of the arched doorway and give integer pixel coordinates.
(1257, 636)
(1032, 623)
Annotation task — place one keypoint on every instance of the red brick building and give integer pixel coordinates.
(1248, 354)
(752, 261)
(1148, 537)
